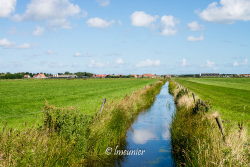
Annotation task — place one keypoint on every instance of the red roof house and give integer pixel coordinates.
(100, 76)
(39, 76)
(149, 75)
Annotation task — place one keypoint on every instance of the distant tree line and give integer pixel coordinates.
(83, 74)
(78, 74)
(20, 75)
(119, 76)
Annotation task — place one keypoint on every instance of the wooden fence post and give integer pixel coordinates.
(193, 97)
(103, 103)
(240, 125)
(219, 123)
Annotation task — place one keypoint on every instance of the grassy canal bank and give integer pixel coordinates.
(229, 96)
(198, 135)
(69, 137)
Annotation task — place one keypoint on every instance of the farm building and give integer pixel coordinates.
(26, 76)
(64, 76)
(167, 76)
(99, 76)
(244, 75)
(229, 75)
(39, 76)
(136, 76)
(149, 76)
(209, 75)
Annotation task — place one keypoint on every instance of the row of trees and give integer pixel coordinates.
(21, 75)
(119, 76)
(80, 74)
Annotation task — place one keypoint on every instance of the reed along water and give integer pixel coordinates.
(149, 139)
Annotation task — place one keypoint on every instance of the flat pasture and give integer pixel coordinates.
(21, 101)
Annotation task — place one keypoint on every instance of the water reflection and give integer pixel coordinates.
(151, 133)
(165, 133)
(142, 136)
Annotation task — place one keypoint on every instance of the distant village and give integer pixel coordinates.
(68, 75)
(41, 75)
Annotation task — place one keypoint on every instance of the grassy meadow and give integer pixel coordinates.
(23, 100)
(229, 96)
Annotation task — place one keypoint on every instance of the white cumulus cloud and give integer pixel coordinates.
(7, 7)
(24, 46)
(194, 39)
(169, 25)
(103, 2)
(5, 43)
(149, 63)
(227, 11)
(54, 12)
(38, 31)
(142, 19)
(165, 24)
(99, 22)
(194, 26)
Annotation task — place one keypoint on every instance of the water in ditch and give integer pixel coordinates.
(149, 136)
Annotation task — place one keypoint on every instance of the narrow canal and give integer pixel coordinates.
(151, 133)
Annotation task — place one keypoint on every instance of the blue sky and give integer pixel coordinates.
(125, 37)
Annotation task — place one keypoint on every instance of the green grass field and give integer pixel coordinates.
(23, 100)
(229, 96)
